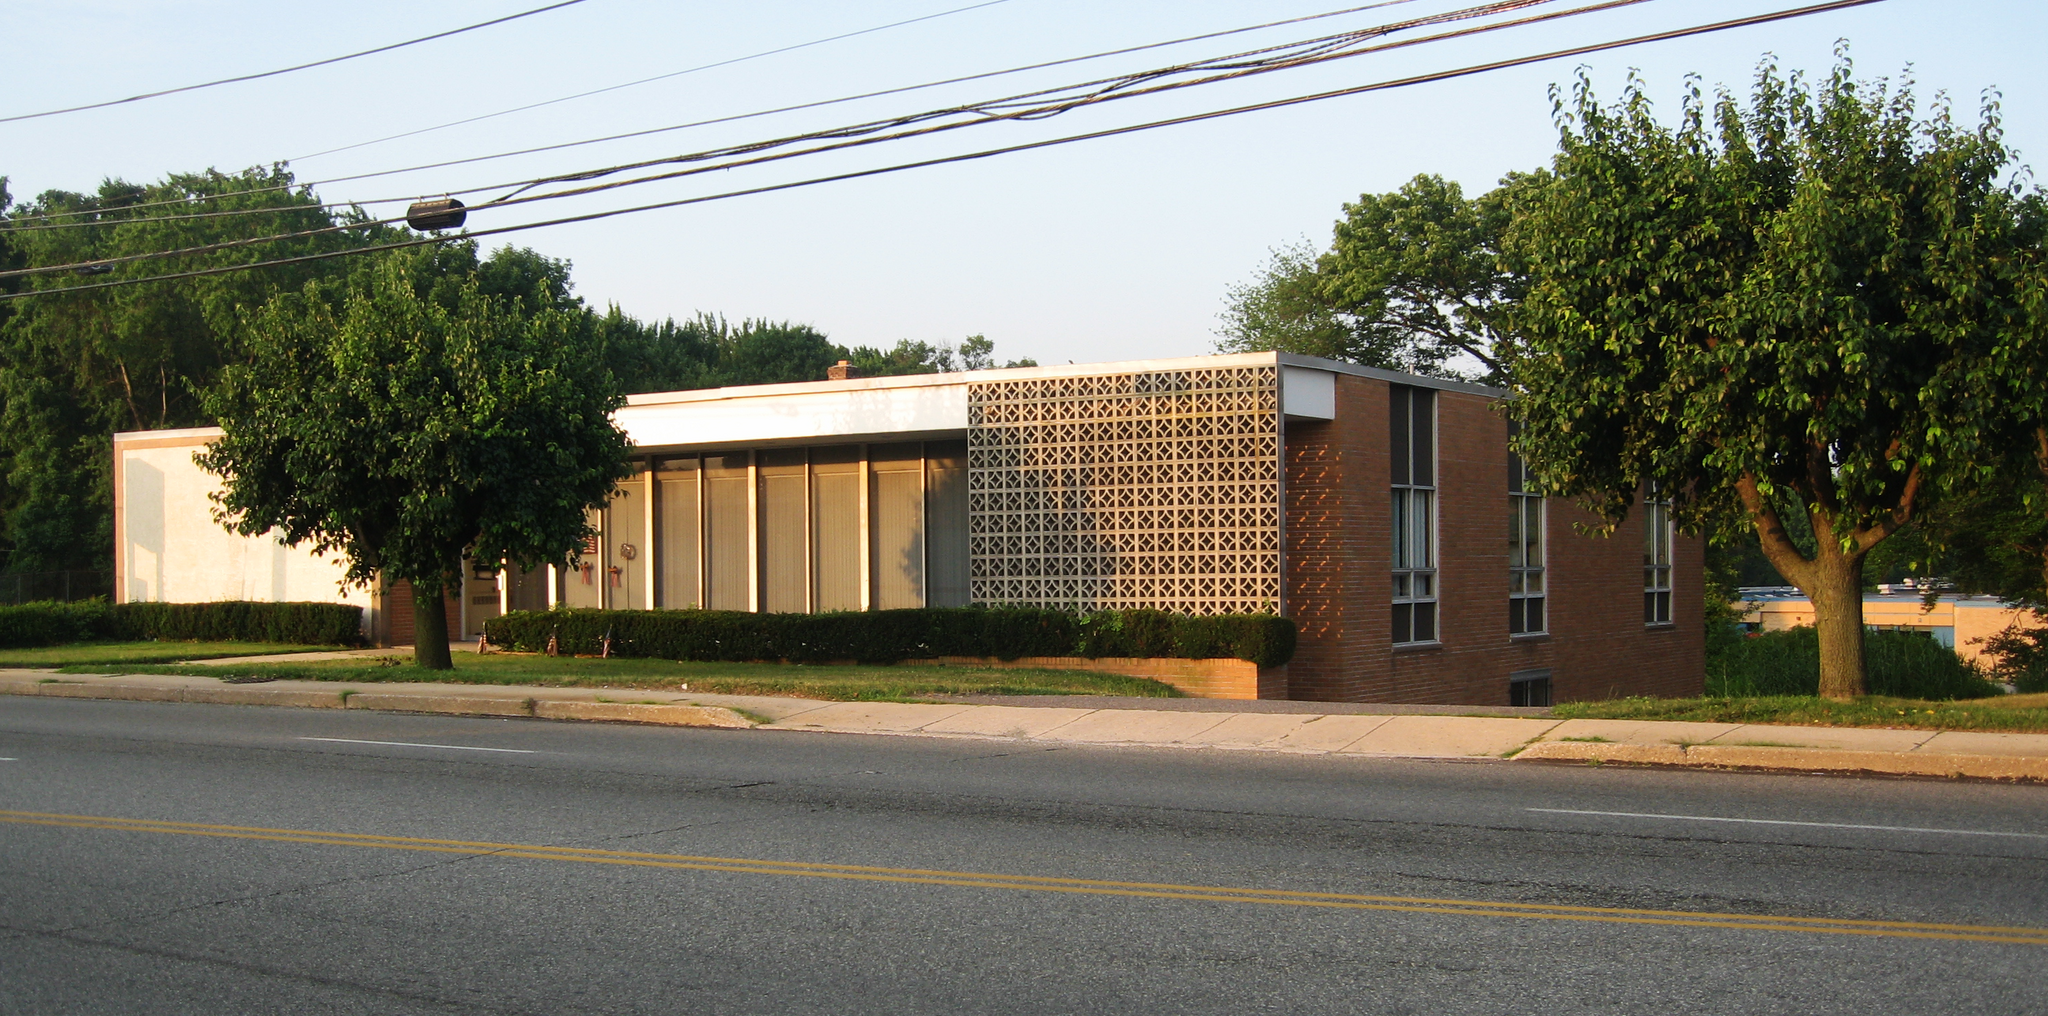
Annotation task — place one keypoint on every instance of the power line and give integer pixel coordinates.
(643, 133)
(867, 95)
(1314, 51)
(1753, 20)
(658, 77)
(1310, 51)
(299, 67)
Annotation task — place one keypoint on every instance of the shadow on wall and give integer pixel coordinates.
(143, 521)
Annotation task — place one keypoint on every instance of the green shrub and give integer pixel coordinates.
(49, 623)
(1897, 663)
(309, 624)
(306, 624)
(887, 636)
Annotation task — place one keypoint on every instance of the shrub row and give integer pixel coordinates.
(1897, 663)
(305, 624)
(51, 624)
(887, 636)
(312, 624)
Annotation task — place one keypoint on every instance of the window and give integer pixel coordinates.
(1529, 688)
(1413, 436)
(1526, 614)
(1656, 559)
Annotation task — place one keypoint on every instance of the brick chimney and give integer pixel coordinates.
(841, 371)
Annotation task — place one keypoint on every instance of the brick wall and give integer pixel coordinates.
(1339, 587)
(397, 603)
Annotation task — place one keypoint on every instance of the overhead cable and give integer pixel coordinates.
(298, 67)
(1745, 22)
(14, 224)
(994, 111)
(658, 77)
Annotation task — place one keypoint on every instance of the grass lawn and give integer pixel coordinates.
(838, 683)
(91, 653)
(2020, 714)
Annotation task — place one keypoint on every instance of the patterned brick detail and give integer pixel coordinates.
(1156, 489)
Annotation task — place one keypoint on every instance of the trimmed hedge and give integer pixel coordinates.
(304, 624)
(51, 624)
(1903, 664)
(310, 624)
(888, 636)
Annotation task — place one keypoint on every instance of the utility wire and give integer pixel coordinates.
(1304, 53)
(1311, 51)
(658, 77)
(1301, 54)
(299, 67)
(1679, 33)
(14, 226)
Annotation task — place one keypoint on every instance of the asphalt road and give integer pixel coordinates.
(201, 859)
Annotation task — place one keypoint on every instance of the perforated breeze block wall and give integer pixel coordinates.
(1157, 489)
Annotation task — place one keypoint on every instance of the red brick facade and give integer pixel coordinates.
(1338, 567)
(394, 625)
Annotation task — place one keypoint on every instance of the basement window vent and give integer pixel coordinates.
(1529, 687)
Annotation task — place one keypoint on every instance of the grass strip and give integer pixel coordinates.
(833, 683)
(2019, 714)
(101, 653)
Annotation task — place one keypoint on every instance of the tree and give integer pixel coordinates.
(1412, 281)
(407, 423)
(1285, 309)
(76, 367)
(1778, 305)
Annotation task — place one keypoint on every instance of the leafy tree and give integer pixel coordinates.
(976, 352)
(406, 424)
(1778, 305)
(1285, 309)
(1412, 281)
(76, 367)
(1427, 263)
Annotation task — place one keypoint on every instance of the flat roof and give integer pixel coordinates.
(1205, 362)
(857, 388)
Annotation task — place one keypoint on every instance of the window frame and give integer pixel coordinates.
(1415, 567)
(1659, 538)
(1528, 537)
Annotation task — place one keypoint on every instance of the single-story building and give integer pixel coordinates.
(1381, 511)
(1961, 622)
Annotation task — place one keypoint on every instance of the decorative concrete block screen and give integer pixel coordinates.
(1157, 489)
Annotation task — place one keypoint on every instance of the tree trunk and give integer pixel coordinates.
(1833, 582)
(429, 629)
(1837, 596)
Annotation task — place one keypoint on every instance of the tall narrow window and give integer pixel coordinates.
(1412, 430)
(1526, 615)
(1656, 559)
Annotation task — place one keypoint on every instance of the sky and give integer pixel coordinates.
(1110, 249)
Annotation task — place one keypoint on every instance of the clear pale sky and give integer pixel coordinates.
(1111, 249)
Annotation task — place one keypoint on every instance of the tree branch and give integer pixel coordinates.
(1770, 531)
(1897, 518)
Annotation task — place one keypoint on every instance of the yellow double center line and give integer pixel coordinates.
(1053, 884)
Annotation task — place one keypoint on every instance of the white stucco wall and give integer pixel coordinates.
(786, 412)
(169, 548)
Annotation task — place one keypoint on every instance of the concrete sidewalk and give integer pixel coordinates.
(1305, 728)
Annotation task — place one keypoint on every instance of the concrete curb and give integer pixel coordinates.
(1825, 749)
(1804, 760)
(640, 712)
(393, 702)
